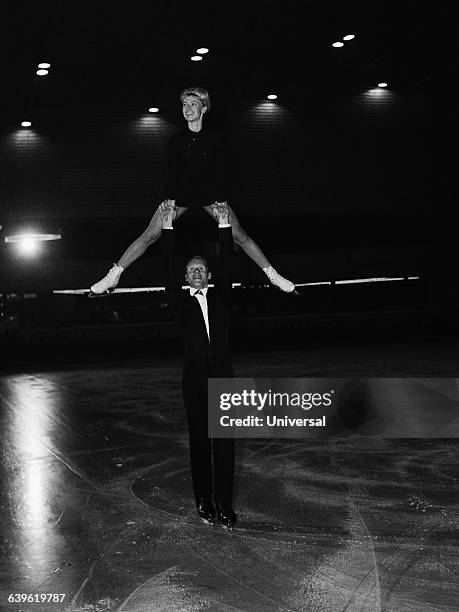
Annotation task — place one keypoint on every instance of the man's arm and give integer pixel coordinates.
(172, 168)
(223, 280)
(220, 167)
(168, 242)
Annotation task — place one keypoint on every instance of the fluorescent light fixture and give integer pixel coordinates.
(128, 289)
(117, 290)
(202, 50)
(196, 58)
(359, 281)
(349, 37)
(353, 281)
(42, 72)
(338, 43)
(313, 284)
(382, 84)
(272, 97)
(44, 65)
(26, 123)
(32, 236)
(153, 109)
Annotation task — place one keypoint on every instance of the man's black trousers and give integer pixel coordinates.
(212, 460)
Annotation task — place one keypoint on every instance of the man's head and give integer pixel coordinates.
(195, 102)
(197, 272)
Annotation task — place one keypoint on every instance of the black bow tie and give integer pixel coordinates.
(199, 292)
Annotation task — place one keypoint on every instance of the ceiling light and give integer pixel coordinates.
(337, 44)
(26, 123)
(153, 109)
(382, 84)
(196, 58)
(202, 50)
(272, 97)
(42, 72)
(28, 246)
(44, 65)
(349, 37)
(32, 236)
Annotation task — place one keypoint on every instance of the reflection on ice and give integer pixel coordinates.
(31, 405)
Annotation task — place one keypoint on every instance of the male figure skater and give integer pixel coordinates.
(203, 315)
(196, 168)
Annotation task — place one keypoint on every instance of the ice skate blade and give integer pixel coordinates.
(294, 292)
(91, 294)
(227, 527)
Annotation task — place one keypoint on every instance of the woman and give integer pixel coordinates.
(196, 180)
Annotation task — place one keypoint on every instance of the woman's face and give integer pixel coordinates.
(192, 108)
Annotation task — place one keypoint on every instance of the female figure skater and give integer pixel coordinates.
(196, 180)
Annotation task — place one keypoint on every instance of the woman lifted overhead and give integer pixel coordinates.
(196, 180)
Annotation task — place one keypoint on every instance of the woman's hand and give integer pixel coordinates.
(167, 211)
(220, 211)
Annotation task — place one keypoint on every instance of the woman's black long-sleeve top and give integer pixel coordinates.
(196, 168)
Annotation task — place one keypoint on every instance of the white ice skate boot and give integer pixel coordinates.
(108, 283)
(279, 281)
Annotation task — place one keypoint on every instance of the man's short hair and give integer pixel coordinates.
(201, 258)
(200, 93)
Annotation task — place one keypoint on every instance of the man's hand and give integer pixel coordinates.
(220, 210)
(167, 211)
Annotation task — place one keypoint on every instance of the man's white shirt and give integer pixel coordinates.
(202, 299)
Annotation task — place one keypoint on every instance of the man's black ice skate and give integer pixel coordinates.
(206, 510)
(226, 514)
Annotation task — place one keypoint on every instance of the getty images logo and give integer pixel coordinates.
(256, 400)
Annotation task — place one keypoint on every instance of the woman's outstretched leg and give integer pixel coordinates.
(133, 252)
(251, 248)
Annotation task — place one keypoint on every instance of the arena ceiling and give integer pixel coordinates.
(139, 52)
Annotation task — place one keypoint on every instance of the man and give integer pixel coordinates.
(203, 316)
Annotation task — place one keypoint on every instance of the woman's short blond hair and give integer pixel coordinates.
(199, 92)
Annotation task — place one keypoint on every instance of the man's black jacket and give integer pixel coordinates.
(202, 358)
